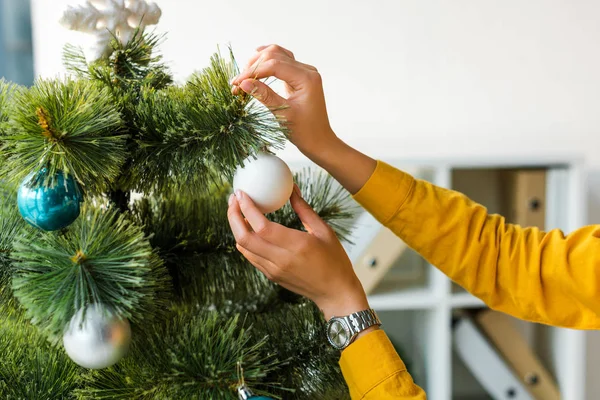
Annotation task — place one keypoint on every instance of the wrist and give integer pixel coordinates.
(343, 305)
(347, 165)
(328, 147)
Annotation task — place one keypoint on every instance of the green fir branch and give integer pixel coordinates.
(187, 133)
(103, 258)
(6, 91)
(224, 282)
(32, 368)
(69, 126)
(181, 223)
(233, 127)
(193, 236)
(164, 158)
(187, 358)
(12, 225)
(297, 332)
(132, 65)
(74, 61)
(327, 197)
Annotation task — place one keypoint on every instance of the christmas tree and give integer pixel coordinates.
(119, 276)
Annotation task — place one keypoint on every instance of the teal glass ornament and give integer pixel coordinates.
(49, 208)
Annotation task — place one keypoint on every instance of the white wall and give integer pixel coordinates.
(412, 78)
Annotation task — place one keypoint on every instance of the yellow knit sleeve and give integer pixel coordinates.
(544, 277)
(373, 370)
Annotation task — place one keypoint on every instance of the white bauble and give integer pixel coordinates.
(267, 180)
(100, 341)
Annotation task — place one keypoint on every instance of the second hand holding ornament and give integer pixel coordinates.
(267, 180)
(98, 339)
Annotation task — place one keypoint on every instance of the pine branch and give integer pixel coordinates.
(233, 127)
(187, 133)
(184, 224)
(163, 159)
(193, 236)
(132, 65)
(187, 358)
(12, 225)
(330, 200)
(102, 258)
(69, 126)
(223, 282)
(31, 368)
(6, 91)
(297, 332)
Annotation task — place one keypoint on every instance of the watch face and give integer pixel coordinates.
(338, 334)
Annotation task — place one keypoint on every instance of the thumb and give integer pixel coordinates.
(262, 93)
(310, 219)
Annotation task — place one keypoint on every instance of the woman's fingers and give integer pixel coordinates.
(263, 265)
(270, 51)
(310, 219)
(248, 239)
(270, 231)
(275, 48)
(263, 93)
(275, 51)
(288, 71)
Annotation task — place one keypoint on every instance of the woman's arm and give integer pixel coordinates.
(539, 276)
(546, 277)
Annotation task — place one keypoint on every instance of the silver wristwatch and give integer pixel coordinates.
(342, 331)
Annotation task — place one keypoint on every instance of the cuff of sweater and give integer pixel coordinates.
(369, 361)
(386, 181)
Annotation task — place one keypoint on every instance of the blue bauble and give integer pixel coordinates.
(49, 208)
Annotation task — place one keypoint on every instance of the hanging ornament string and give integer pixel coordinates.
(244, 392)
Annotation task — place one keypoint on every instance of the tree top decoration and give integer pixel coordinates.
(105, 18)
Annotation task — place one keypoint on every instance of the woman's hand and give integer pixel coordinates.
(304, 110)
(313, 264)
(304, 113)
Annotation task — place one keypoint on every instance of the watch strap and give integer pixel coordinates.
(361, 320)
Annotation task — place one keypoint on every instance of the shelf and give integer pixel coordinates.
(465, 300)
(410, 299)
(410, 332)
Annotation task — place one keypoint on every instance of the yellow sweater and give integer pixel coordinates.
(544, 277)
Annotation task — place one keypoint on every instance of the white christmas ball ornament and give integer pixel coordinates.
(99, 341)
(267, 180)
